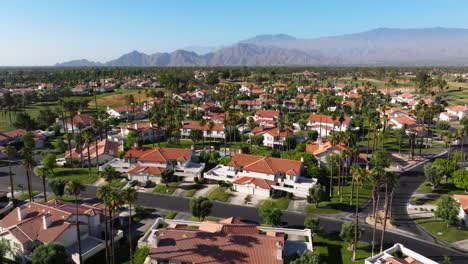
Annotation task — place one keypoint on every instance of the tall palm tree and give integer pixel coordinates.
(114, 203)
(88, 139)
(10, 151)
(375, 177)
(391, 181)
(103, 194)
(28, 164)
(359, 174)
(69, 138)
(42, 172)
(109, 174)
(75, 188)
(130, 195)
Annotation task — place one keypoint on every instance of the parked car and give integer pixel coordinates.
(132, 183)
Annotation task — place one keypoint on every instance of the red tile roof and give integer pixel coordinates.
(267, 165)
(195, 125)
(105, 146)
(147, 169)
(81, 118)
(267, 114)
(327, 119)
(260, 183)
(159, 154)
(463, 200)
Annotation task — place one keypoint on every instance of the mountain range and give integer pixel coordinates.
(377, 47)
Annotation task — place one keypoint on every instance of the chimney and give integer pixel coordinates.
(279, 250)
(302, 159)
(46, 220)
(135, 126)
(155, 238)
(20, 214)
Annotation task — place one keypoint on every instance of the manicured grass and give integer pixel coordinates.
(80, 174)
(420, 201)
(334, 250)
(219, 194)
(66, 198)
(163, 189)
(208, 218)
(24, 196)
(281, 203)
(193, 189)
(450, 234)
(335, 205)
(444, 188)
(118, 183)
(170, 215)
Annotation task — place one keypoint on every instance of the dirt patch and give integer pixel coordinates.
(119, 99)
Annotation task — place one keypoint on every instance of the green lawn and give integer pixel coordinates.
(66, 198)
(118, 183)
(219, 194)
(80, 174)
(439, 229)
(444, 188)
(208, 218)
(281, 203)
(170, 215)
(334, 250)
(24, 196)
(163, 189)
(335, 206)
(193, 189)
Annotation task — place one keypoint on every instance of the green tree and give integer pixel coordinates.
(109, 174)
(4, 248)
(49, 162)
(307, 257)
(460, 179)
(196, 135)
(359, 174)
(167, 175)
(270, 214)
(313, 223)
(103, 194)
(50, 253)
(75, 188)
(57, 186)
(28, 141)
(130, 196)
(447, 210)
(24, 121)
(347, 233)
(43, 172)
(200, 207)
(10, 152)
(433, 174)
(257, 140)
(446, 167)
(131, 139)
(317, 194)
(380, 159)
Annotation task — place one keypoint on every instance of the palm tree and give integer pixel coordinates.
(42, 172)
(391, 181)
(359, 174)
(110, 174)
(10, 151)
(103, 194)
(28, 164)
(130, 195)
(374, 178)
(69, 138)
(75, 188)
(88, 139)
(114, 203)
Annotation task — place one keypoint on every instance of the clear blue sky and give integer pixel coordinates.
(45, 32)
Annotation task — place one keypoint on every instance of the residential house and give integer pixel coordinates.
(80, 89)
(260, 176)
(226, 241)
(33, 224)
(405, 98)
(14, 136)
(250, 104)
(460, 111)
(215, 132)
(324, 124)
(272, 136)
(146, 131)
(407, 256)
(105, 151)
(323, 148)
(402, 122)
(266, 117)
(463, 201)
(68, 124)
(126, 112)
(148, 163)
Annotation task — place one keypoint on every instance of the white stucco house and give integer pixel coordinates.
(272, 136)
(324, 124)
(388, 256)
(216, 131)
(463, 214)
(460, 111)
(260, 176)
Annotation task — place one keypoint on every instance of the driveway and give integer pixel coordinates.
(207, 188)
(237, 198)
(297, 205)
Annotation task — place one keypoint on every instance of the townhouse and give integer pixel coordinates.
(456, 112)
(267, 117)
(226, 241)
(214, 131)
(260, 176)
(34, 224)
(147, 164)
(69, 124)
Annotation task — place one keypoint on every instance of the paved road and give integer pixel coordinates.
(250, 214)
